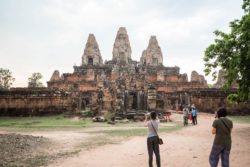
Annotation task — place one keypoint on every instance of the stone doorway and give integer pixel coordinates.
(133, 100)
(122, 57)
(155, 61)
(90, 61)
(159, 104)
(84, 103)
(134, 104)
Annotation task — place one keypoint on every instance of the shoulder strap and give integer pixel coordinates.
(225, 125)
(153, 127)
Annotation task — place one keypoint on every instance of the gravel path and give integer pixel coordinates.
(188, 147)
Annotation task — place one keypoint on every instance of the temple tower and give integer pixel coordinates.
(55, 76)
(122, 49)
(195, 77)
(91, 55)
(152, 56)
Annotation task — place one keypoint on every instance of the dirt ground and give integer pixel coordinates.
(189, 146)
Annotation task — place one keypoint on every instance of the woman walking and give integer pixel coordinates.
(222, 128)
(152, 140)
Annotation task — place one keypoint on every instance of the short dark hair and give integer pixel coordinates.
(221, 112)
(153, 115)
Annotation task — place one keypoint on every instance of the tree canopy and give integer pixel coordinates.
(231, 52)
(34, 80)
(6, 79)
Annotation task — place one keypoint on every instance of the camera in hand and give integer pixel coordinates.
(148, 115)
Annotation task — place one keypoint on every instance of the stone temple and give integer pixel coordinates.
(122, 83)
(123, 86)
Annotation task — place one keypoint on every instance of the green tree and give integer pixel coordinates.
(210, 85)
(231, 52)
(34, 80)
(6, 79)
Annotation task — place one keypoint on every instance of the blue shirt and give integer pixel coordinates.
(194, 113)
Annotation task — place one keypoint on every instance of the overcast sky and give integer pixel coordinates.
(47, 35)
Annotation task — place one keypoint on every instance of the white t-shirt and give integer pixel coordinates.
(151, 131)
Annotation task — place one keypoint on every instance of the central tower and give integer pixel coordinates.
(152, 56)
(122, 49)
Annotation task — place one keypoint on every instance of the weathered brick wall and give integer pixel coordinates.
(208, 100)
(204, 99)
(174, 87)
(176, 78)
(107, 99)
(25, 102)
(114, 76)
(60, 84)
(75, 78)
(87, 87)
(152, 77)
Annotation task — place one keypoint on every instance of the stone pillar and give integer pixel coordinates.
(140, 100)
(151, 99)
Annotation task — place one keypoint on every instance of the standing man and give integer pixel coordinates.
(152, 139)
(222, 128)
(185, 115)
(194, 116)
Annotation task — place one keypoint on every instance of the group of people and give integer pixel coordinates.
(189, 113)
(221, 127)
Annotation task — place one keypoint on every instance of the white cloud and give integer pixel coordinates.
(182, 39)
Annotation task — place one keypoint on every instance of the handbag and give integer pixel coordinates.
(160, 141)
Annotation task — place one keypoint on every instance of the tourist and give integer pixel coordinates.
(194, 116)
(169, 119)
(152, 139)
(179, 108)
(189, 107)
(190, 117)
(222, 128)
(185, 115)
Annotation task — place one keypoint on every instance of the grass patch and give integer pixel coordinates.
(46, 123)
(241, 119)
(140, 131)
(57, 122)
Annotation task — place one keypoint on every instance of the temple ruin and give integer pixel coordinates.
(122, 85)
(125, 85)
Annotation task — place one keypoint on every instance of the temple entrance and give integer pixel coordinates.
(122, 57)
(90, 61)
(134, 104)
(132, 101)
(155, 61)
(159, 104)
(84, 103)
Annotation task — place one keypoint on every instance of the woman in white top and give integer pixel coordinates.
(152, 140)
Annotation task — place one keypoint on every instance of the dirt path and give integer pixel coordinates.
(187, 147)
